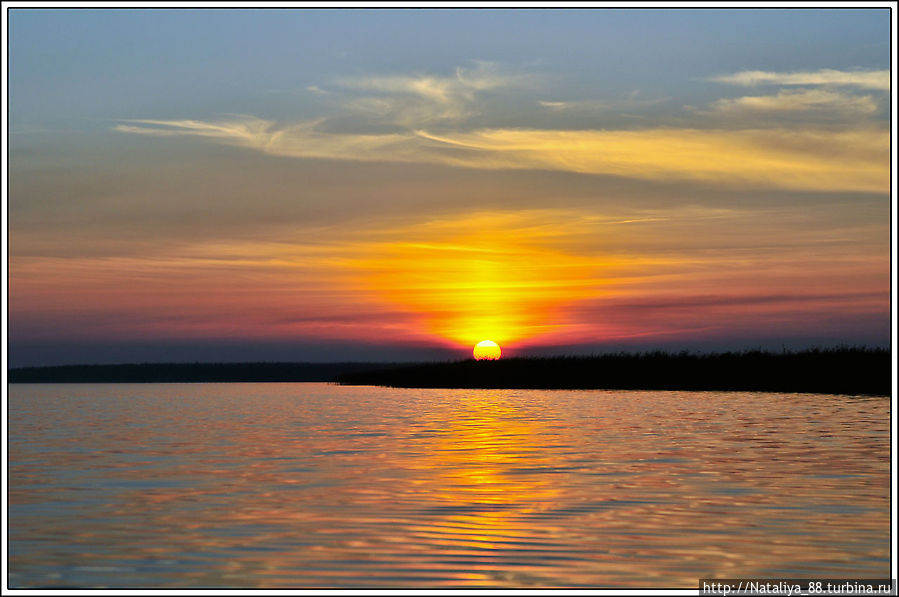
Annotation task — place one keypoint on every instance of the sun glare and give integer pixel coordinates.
(487, 350)
(482, 275)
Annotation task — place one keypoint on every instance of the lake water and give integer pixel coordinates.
(316, 485)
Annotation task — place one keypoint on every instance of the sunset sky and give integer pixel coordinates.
(321, 185)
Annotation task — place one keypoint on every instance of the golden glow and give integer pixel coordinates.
(487, 275)
(522, 278)
(487, 350)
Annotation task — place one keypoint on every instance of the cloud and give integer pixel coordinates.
(464, 83)
(427, 119)
(810, 159)
(247, 129)
(142, 130)
(863, 79)
(797, 101)
(418, 100)
(629, 103)
(293, 140)
(430, 119)
(578, 105)
(797, 159)
(641, 306)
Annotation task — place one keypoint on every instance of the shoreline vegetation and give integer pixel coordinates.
(854, 371)
(865, 371)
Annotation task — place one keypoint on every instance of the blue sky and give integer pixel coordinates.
(87, 64)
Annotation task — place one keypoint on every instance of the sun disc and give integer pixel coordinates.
(487, 350)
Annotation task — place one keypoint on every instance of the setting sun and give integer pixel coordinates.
(487, 350)
(673, 227)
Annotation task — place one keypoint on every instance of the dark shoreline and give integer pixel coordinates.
(192, 372)
(857, 371)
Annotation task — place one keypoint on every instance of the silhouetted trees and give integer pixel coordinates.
(828, 371)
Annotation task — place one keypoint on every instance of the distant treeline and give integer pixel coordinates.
(190, 372)
(826, 371)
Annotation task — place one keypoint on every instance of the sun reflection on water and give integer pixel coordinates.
(296, 485)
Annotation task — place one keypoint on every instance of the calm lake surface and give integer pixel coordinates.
(316, 485)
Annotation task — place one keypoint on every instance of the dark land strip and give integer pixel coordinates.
(192, 372)
(833, 371)
(857, 371)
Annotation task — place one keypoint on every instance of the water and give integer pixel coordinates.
(315, 485)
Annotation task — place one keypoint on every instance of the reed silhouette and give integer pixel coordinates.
(828, 371)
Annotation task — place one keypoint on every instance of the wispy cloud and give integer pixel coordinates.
(255, 132)
(419, 100)
(798, 100)
(463, 83)
(578, 105)
(429, 119)
(293, 140)
(770, 157)
(631, 102)
(783, 158)
(863, 79)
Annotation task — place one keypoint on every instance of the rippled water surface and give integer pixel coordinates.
(315, 485)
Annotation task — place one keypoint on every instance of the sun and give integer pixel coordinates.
(487, 350)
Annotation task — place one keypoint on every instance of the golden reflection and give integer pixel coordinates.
(484, 476)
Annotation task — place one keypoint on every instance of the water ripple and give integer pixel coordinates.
(320, 486)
